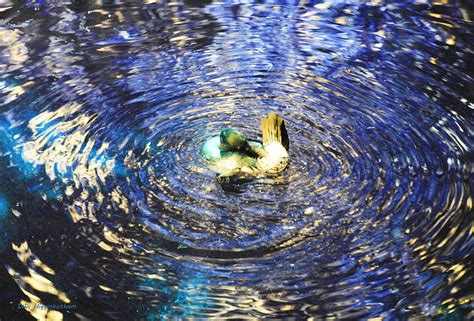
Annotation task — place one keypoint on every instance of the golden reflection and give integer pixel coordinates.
(467, 299)
(110, 236)
(65, 148)
(120, 199)
(458, 270)
(25, 255)
(15, 92)
(16, 50)
(435, 15)
(466, 15)
(106, 288)
(451, 40)
(156, 277)
(322, 5)
(105, 246)
(36, 282)
(342, 20)
(77, 215)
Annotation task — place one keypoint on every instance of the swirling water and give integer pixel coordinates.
(108, 212)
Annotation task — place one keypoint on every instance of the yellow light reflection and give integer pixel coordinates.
(36, 282)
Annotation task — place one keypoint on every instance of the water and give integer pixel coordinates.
(107, 208)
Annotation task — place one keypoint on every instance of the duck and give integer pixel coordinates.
(231, 154)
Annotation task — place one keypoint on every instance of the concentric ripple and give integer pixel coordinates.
(109, 212)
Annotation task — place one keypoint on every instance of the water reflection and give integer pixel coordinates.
(106, 205)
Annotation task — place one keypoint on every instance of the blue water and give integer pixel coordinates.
(107, 208)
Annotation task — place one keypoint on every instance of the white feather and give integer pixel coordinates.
(276, 159)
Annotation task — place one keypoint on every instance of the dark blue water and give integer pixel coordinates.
(108, 212)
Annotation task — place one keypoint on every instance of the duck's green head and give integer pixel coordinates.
(232, 140)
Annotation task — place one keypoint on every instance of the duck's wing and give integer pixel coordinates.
(274, 130)
(276, 159)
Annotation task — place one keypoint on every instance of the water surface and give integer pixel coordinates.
(108, 212)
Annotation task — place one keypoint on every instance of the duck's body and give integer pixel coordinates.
(228, 156)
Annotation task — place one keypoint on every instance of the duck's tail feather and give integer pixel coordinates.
(274, 130)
